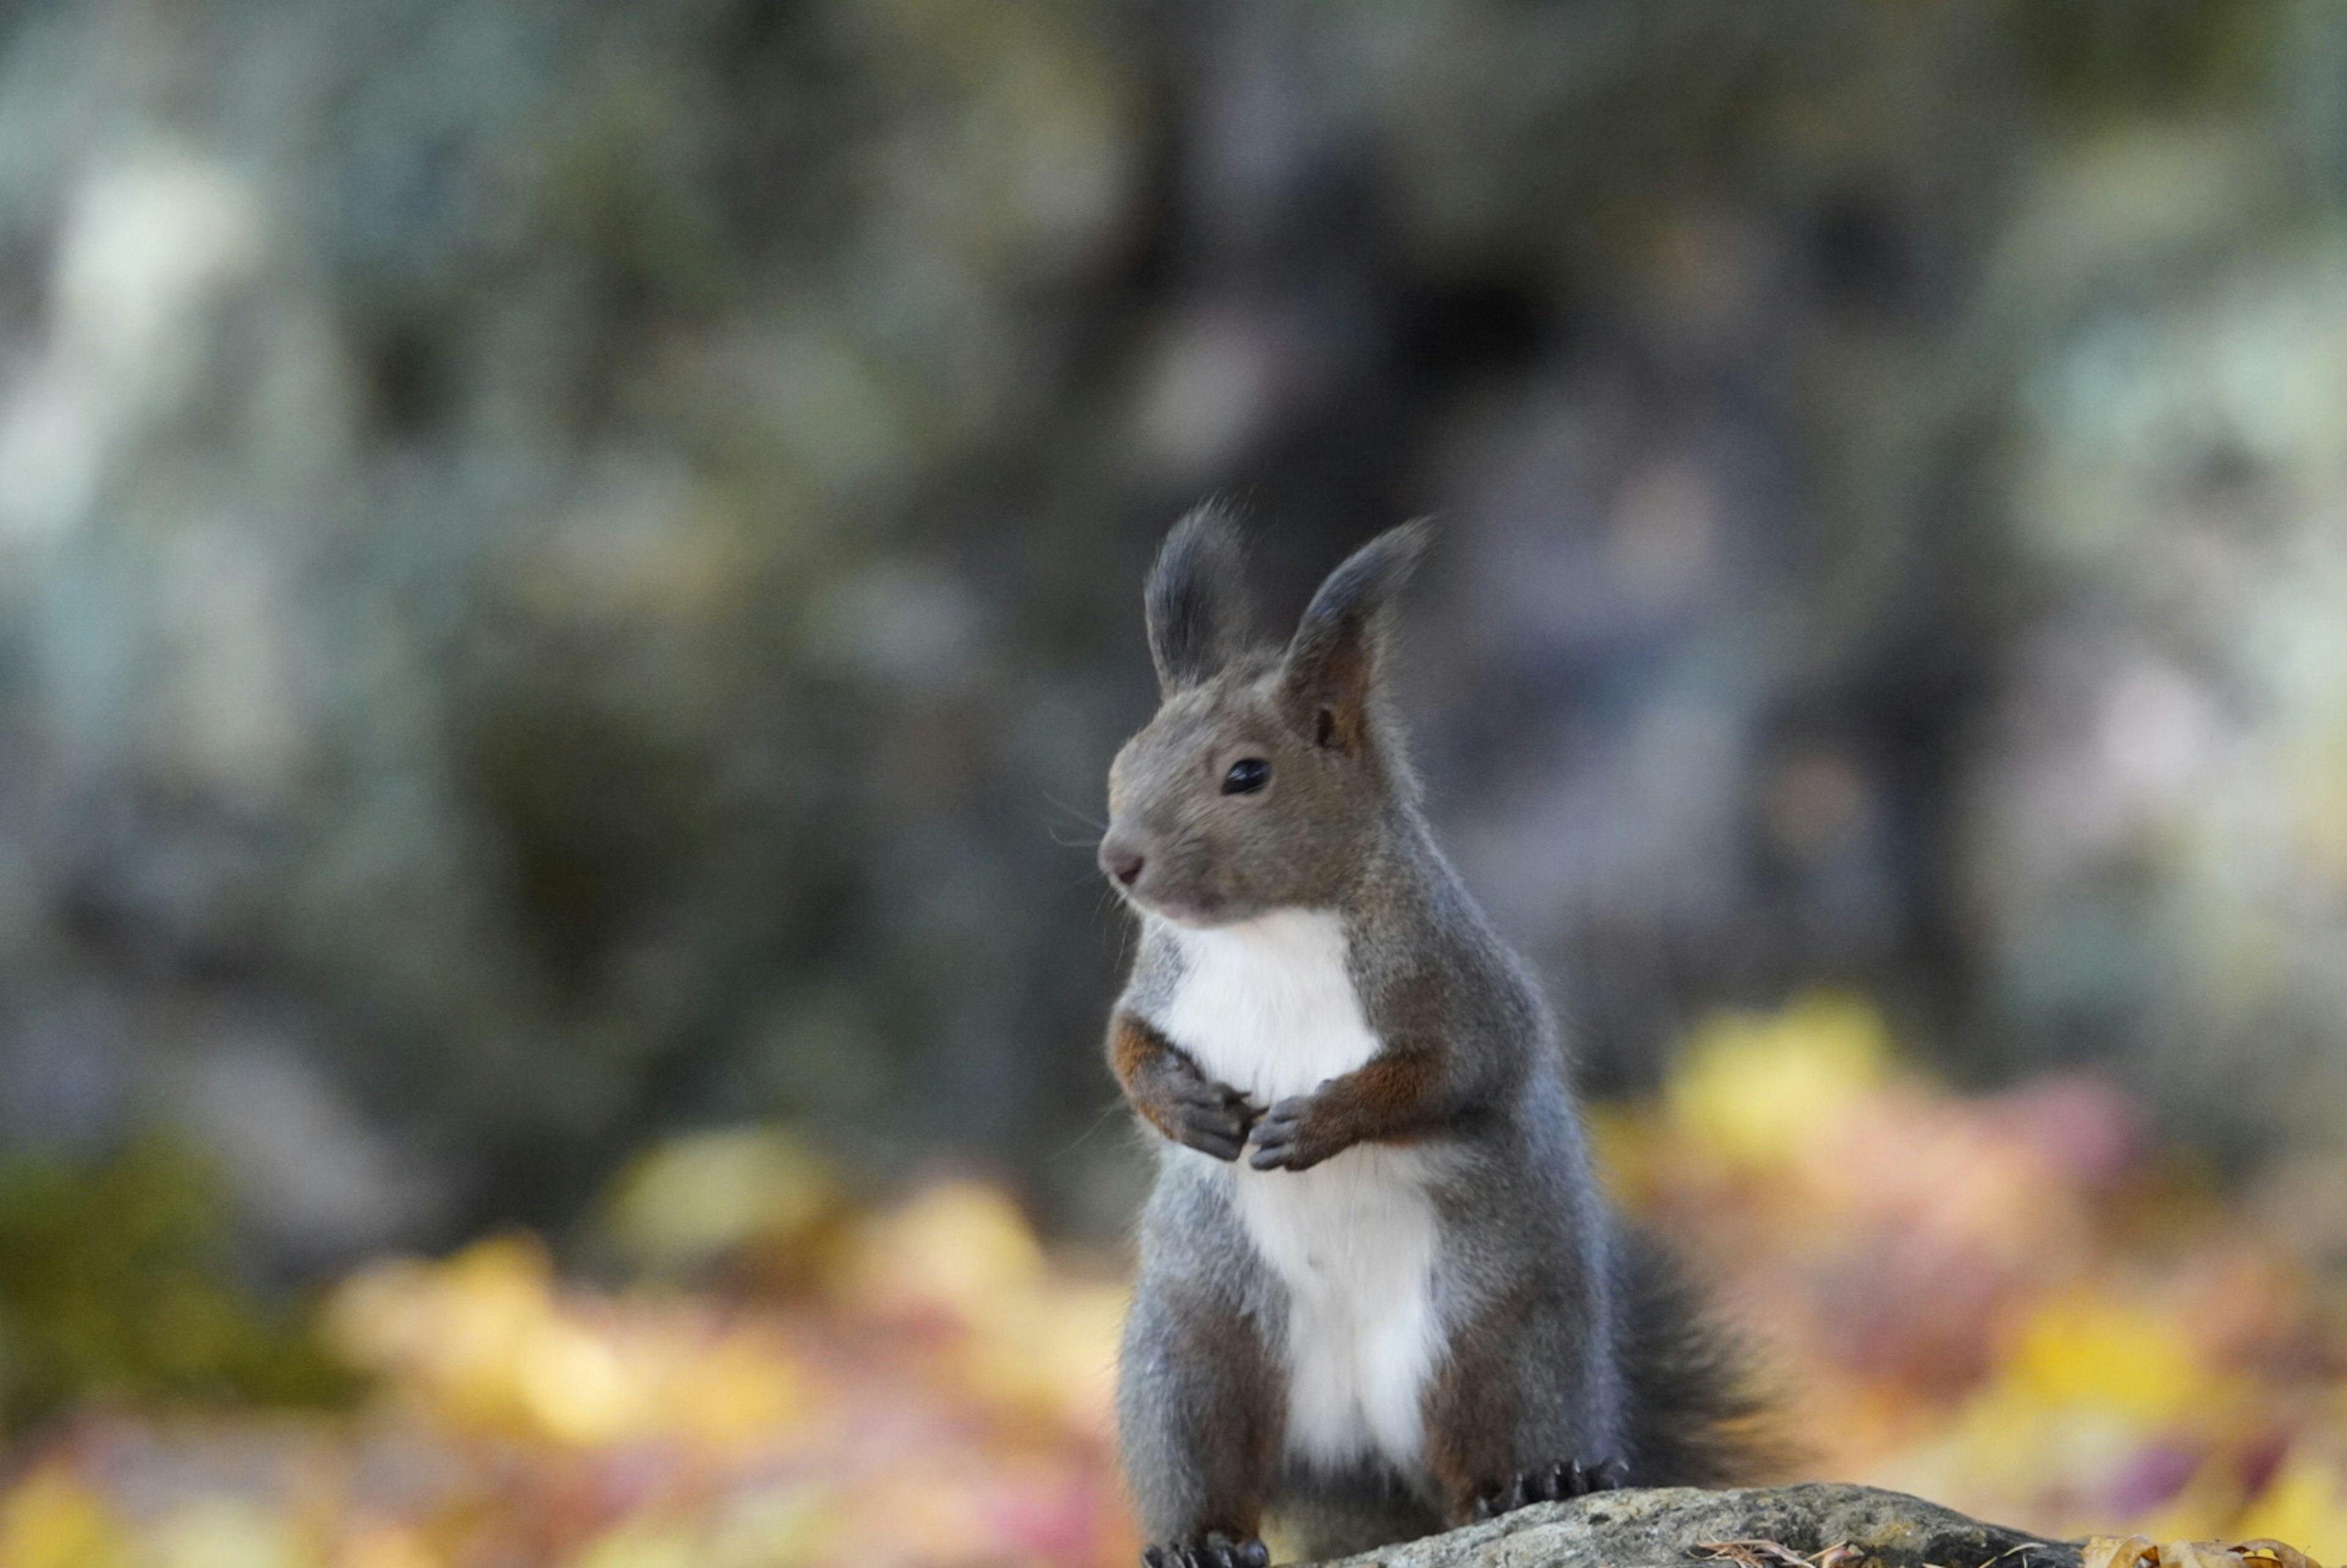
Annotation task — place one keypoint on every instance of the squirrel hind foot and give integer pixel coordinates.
(1215, 1549)
(1549, 1483)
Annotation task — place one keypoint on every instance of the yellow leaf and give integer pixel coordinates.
(962, 1246)
(2115, 1551)
(779, 1528)
(2279, 1554)
(575, 1384)
(2197, 1554)
(644, 1543)
(52, 1520)
(1755, 1088)
(223, 1532)
(2084, 1349)
(2305, 1505)
(697, 1199)
(1052, 1355)
(385, 1547)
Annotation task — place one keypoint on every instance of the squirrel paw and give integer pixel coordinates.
(1212, 1550)
(1550, 1483)
(1212, 1118)
(1285, 1139)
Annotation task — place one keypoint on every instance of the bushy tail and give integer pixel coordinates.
(1698, 1415)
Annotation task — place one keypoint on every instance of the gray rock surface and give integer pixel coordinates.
(1647, 1529)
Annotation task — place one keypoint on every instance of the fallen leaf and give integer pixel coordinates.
(2116, 1550)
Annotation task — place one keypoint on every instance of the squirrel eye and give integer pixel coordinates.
(1247, 775)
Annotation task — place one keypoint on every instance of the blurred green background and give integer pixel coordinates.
(571, 572)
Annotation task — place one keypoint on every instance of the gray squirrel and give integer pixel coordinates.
(1379, 1292)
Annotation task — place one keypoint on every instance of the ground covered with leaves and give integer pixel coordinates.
(2014, 1305)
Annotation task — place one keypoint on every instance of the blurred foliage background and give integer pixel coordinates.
(568, 576)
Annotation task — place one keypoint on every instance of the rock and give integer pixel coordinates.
(1667, 1525)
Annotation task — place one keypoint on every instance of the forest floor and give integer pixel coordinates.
(2018, 1305)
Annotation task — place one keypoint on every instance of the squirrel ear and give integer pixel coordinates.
(1333, 661)
(1199, 614)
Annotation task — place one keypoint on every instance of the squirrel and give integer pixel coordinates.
(1380, 1293)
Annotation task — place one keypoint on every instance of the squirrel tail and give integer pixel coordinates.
(1698, 1415)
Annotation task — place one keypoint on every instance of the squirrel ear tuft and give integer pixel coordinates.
(1200, 617)
(1334, 661)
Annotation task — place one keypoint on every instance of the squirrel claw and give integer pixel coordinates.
(1550, 1483)
(1215, 1549)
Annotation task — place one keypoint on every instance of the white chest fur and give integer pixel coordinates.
(1266, 1006)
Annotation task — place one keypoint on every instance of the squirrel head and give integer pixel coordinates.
(1271, 774)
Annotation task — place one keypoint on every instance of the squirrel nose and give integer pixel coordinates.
(1121, 861)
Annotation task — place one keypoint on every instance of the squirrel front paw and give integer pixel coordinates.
(1194, 1110)
(1165, 1086)
(1293, 1136)
(1550, 1483)
(1212, 1118)
(1212, 1550)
